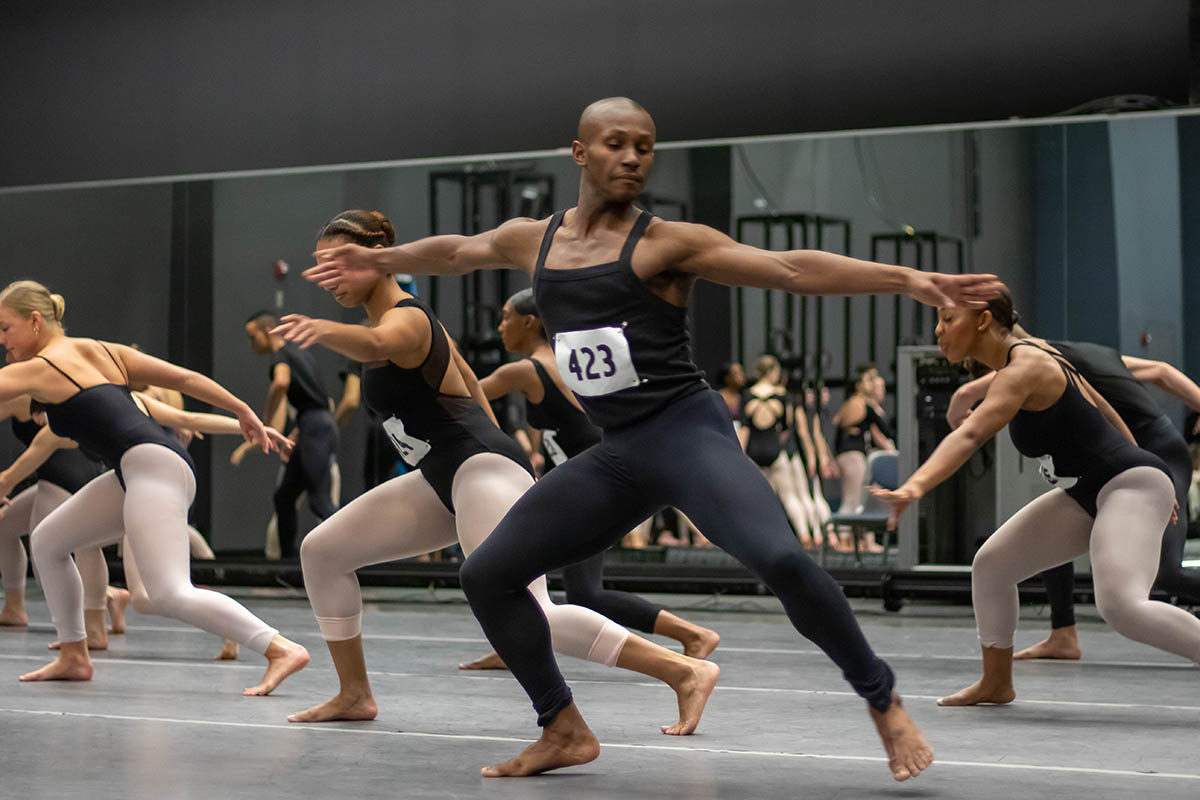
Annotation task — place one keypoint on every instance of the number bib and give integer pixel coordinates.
(552, 447)
(595, 362)
(1046, 467)
(411, 449)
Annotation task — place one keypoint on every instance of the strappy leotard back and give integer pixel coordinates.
(104, 419)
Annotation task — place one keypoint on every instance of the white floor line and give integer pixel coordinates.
(507, 678)
(790, 651)
(1126, 773)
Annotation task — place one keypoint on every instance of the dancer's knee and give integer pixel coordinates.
(141, 601)
(44, 549)
(796, 575)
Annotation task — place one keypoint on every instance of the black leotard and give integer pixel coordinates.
(434, 432)
(104, 419)
(566, 431)
(764, 444)
(857, 437)
(1073, 440)
(67, 468)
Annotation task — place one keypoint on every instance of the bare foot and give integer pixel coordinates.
(116, 600)
(342, 706)
(66, 668)
(978, 693)
(565, 742)
(283, 658)
(702, 645)
(490, 661)
(14, 618)
(908, 752)
(693, 695)
(1062, 643)
(229, 651)
(95, 640)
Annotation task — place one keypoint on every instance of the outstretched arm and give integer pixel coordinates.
(39, 450)
(1165, 377)
(505, 247)
(400, 332)
(1009, 391)
(707, 253)
(170, 416)
(143, 368)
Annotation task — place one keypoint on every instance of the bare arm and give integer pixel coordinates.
(510, 246)
(1009, 391)
(707, 253)
(351, 398)
(881, 441)
(508, 378)
(400, 332)
(165, 414)
(1165, 377)
(965, 397)
(39, 450)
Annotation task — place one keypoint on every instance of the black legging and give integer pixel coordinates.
(584, 583)
(307, 471)
(1165, 442)
(686, 456)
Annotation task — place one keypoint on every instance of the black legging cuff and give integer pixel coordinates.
(549, 706)
(877, 692)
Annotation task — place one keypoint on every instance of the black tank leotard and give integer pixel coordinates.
(104, 419)
(67, 468)
(764, 444)
(434, 432)
(1079, 449)
(566, 431)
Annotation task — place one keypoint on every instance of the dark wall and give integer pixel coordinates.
(93, 91)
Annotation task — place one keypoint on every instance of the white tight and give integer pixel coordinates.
(403, 518)
(24, 514)
(800, 477)
(783, 480)
(1124, 541)
(152, 513)
(853, 465)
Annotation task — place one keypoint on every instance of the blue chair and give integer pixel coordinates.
(883, 469)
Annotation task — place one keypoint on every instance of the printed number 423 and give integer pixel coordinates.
(583, 363)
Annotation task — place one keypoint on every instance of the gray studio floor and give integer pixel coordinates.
(161, 720)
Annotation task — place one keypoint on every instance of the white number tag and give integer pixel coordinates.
(1046, 467)
(553, 449)
(411, 449)
(595, 362)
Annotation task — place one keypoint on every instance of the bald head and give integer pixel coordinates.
(606, 112)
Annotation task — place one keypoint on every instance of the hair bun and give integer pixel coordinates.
(60, 306)
(385, 225)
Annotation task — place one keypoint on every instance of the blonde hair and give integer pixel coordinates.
(764, 365)
(26, 297)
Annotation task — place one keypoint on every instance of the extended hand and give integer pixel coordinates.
(966, 291)
(347, 260)
(304, 331)
(899, 500)
(281, 443)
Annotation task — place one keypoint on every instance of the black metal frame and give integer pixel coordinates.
(796, 227)
(915, 243)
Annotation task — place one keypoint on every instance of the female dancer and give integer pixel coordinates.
(468, 475)
(857, 424)
(59, 470)
(1119, 380)
(764, 426)
(1114, 499)
(619, 324)
(83, 386)
(565, 432)
(802, 458)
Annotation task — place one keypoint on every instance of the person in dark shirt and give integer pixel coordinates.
(295, 382)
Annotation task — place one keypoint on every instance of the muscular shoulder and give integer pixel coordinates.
(518, 240)
(676, 241)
